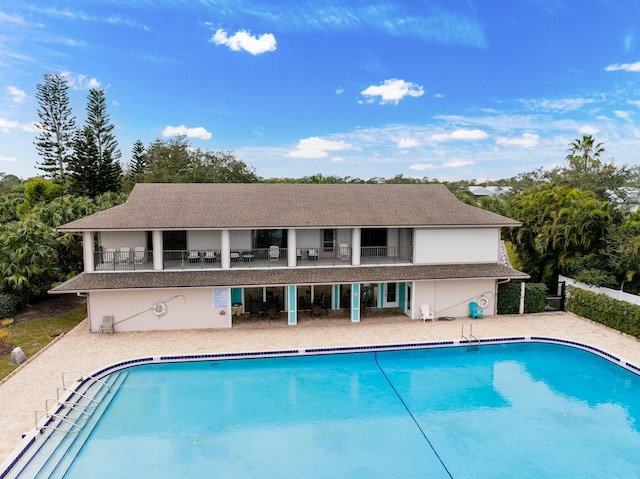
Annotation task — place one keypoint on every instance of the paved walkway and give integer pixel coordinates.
(35, 381)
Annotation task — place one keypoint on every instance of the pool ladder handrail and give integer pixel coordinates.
(49, 415)
(471, 337)
(65, 404)
(83, 376)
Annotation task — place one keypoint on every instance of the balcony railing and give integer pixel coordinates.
(385, 254)
(125, 259)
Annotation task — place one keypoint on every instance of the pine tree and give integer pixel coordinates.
(57, 127)
(139, 162)
(96, 149)
(84, 177)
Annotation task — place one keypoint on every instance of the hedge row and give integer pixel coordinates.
(535, 297)
(620, 315)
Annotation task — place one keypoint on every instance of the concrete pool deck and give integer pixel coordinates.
(26, 390)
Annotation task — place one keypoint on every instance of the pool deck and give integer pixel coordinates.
(26, 390)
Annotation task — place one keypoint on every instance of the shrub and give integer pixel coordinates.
(620, 315)
(535, 299)
(9, 305)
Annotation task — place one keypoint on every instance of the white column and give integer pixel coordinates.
(88, 251)
(158, 249)
(355, 246)
(291, 247)
(225, 249)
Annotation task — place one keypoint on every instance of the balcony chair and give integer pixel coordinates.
(194, 256)
(426, 314)
(344, 251)
(209, 256)
(124, 255)
(312, 254)
(138, 255)
(109, 256)
(476, 312)
(274, 253)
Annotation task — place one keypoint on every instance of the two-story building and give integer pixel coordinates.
(181, 256)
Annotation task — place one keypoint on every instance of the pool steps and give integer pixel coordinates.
(65, 439)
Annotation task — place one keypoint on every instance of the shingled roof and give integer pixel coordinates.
(280, 276)
(213, 206)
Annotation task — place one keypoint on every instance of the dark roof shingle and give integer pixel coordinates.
(208, 206)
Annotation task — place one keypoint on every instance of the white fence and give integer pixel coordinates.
(612, 293)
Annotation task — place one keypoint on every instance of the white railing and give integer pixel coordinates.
(612, 293)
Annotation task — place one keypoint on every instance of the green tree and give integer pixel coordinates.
(139, 162)
(558, 223)
(84, 176)
(37, 190)
(175, 161)
(95, 168)
(57, 125)
(584, 155)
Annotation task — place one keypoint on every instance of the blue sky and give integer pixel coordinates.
(446, 89)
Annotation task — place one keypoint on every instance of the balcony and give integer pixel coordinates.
(125, 259)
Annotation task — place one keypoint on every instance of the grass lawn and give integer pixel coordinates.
(34, 334)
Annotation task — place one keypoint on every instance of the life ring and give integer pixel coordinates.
(159, 308)
(483, 302)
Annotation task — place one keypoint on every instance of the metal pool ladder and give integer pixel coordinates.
(472, 341)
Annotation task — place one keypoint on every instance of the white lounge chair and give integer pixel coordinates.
(274, 253)
(209, 256)
(312, 254)
(344, 251)
(124, 255)
(107, 324)
(138, 255)
(426, 314)
(194, 256)
(109, 256)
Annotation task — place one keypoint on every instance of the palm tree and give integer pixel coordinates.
(584, 154)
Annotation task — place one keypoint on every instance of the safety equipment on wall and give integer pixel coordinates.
(159, 308)
(483, 302)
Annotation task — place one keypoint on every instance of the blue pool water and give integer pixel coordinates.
(526, 410)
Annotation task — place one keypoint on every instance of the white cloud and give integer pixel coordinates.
(627, 67)
(625, 115)
(339, 90)
(7, 158)
(462, 134)
(392, 91)
(527, 140)
(197, 132)
(408, 143)
(422, 166)
(559, 105)
(588, 130)
(80, 82)
(18, 95)
(6, 125)
(315, 147)
(337, 159)
(457, 163)
(243, 40)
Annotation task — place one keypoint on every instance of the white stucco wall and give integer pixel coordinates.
(122, 239)
(186, 309)
(452, 297)
(456, 245)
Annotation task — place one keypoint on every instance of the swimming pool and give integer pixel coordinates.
(526, 410)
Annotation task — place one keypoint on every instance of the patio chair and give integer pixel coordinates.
(138, 255)
(312, 254)
(274, 253)
(344, 251)
(123, 256)
(107, 324)
(426, 314)
(109, 256)
(209, 256)
(194, 256)
(476, 312)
